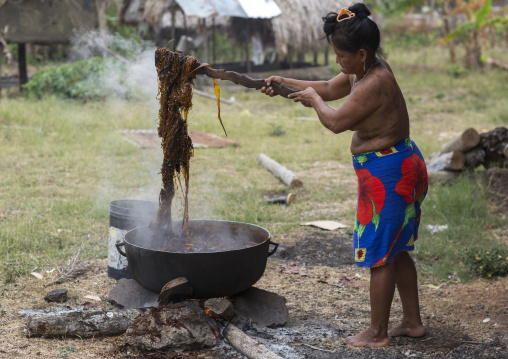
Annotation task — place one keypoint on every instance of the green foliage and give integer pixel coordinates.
(488, 263)
(456, 71)
(277, 130)
(68, 80)
(463, 207)
(13, 269)
(398, 7)
(479, 19)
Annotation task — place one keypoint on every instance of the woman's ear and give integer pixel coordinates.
(363, 55)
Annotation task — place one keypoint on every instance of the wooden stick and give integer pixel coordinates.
(246, 345)
(243, 80)
(79, 323)
(278, 170)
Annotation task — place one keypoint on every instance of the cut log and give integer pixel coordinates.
(279, 171)
(467, 140)
(451, 161)
(175, 290)
(246, 345)
(475, 157)
(79, 323)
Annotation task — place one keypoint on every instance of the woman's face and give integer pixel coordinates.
(349, 63)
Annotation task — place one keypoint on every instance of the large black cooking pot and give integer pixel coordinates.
(211, 273)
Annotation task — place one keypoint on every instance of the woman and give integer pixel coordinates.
(392, 177)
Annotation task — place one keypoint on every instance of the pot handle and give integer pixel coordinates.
(275, 249)
(118, 245)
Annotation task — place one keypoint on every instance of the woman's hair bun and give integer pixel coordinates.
(359, 8)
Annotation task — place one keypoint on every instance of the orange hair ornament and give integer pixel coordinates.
(345, 14)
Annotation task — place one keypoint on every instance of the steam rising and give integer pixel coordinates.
(129, 64)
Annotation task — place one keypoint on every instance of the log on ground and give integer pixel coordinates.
(467, 140)
(79, 323)
(246, 345)
(279, 171)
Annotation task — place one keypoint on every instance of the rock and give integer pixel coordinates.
(129, 294)
(221, 307)
(181, 326)
(56, 295)
(263, 308)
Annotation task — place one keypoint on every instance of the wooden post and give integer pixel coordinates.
(22, 72)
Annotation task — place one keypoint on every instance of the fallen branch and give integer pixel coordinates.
(246, 345)
(73, 269)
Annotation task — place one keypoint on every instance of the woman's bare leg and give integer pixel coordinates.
(382, 288)
(407, 285)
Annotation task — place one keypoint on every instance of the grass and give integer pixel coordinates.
(64, 161)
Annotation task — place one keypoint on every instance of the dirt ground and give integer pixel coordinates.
(327, 298)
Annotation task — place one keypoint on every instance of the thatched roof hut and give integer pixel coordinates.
(299, 28)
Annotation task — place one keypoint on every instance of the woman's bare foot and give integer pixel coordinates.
(403, 329)
(367, 339)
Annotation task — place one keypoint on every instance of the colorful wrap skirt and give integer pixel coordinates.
(392, 184)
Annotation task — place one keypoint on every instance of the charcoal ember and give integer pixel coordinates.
(181, 326)
(56, 295)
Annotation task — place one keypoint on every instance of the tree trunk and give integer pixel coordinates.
(101, 8)
(447, 29)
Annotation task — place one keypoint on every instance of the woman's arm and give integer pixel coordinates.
(334, 89)
(357, 107)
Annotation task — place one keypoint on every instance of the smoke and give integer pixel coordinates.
(129, 65)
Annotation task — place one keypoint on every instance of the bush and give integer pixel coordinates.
(76, 80)
(487, 263)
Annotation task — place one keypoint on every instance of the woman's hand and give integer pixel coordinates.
(268, 90)
(305, 97)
